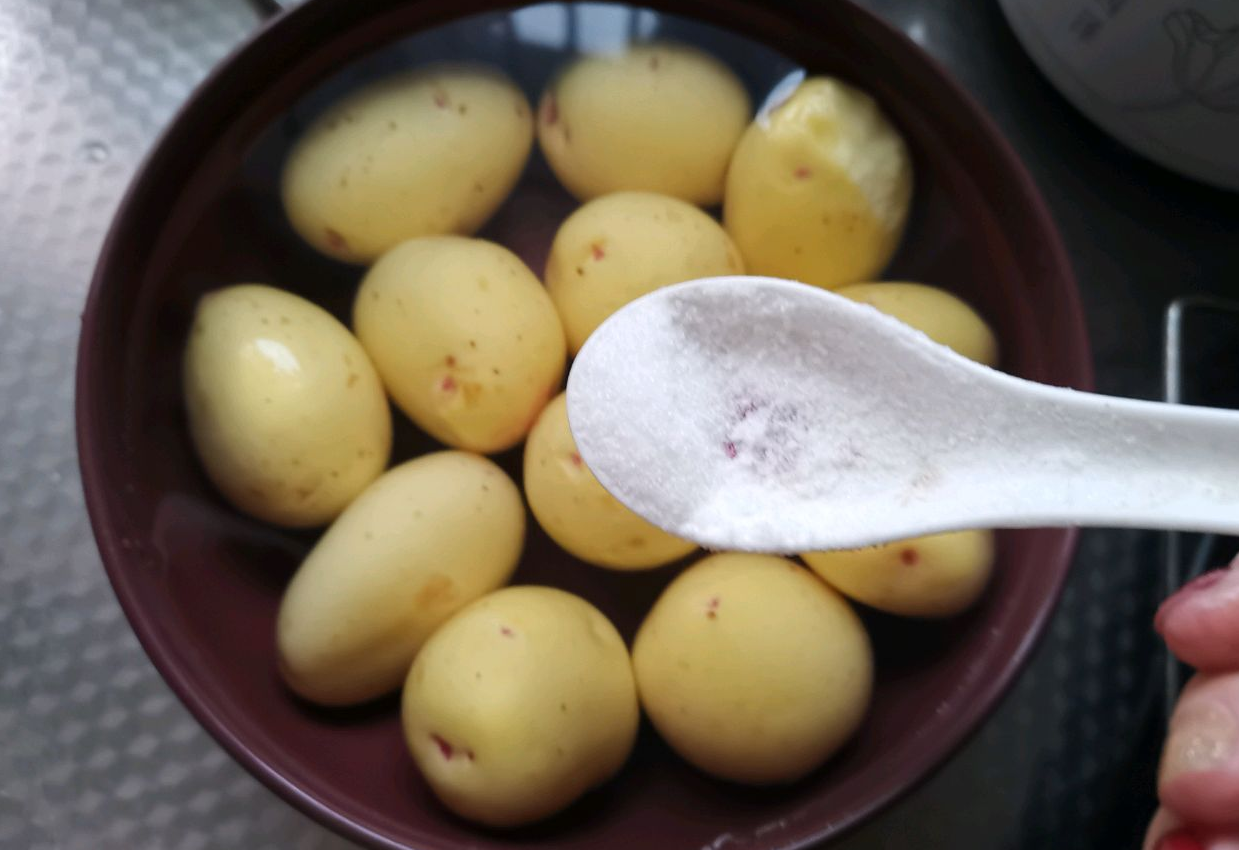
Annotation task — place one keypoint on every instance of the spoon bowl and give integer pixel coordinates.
(759, 414)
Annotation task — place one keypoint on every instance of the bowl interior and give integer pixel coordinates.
(201, 583)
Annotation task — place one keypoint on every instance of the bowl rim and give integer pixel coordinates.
(203, 104)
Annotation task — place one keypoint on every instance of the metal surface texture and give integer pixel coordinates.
(99, 754)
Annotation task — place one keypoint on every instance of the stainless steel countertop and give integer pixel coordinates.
(99, 754)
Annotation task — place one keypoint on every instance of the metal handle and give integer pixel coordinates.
(1186, 556)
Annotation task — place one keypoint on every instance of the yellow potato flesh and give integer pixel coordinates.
(577, 512)
(819, 191)
(427, 152)
(421, 542)
(935, 576)
(655, 118)
(285, 410)
(753, 669)
(621, 246)
(465, 338)
(519, 704)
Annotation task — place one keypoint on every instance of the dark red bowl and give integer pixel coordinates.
(200, 583)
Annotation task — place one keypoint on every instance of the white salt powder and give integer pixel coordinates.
(723, 411)
(764, 415)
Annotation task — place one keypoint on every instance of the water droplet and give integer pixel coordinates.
(96, 151)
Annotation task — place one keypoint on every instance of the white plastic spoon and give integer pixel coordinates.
(758, 414)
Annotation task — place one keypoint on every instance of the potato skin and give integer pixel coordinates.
(619, 247)
(431, 151)
(577, 511)
(286, 411)
(656, 118)
(465, 338)
(519, 704)
(938, 314)
(752, 669)
(819, 190)
(423, 541)
(939, 575)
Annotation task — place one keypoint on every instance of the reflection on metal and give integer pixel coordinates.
(1204, 549)
(273, 7)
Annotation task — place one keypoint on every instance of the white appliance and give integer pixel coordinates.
(1162, 76)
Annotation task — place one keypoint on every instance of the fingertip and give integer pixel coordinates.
(1200, 622)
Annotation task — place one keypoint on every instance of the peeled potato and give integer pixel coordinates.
(423, 541)
(465, 338)
(935, 576)
(577, 512)
(752, 668)
(819, 191)
(285, 410)
(427, 152)
(519, 704)
(937, 314)
(619, 247)
(655, 118)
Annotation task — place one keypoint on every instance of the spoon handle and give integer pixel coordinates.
(1096, 460)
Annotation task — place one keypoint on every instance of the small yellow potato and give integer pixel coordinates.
(936, 313)
(577, 511)
(427, 152)
(657, 118)
(465, 338)
(752, 668)
(936, 576)
(619, 247)
(423, 541)
(819, 190)
(285, 410)
(519, 704)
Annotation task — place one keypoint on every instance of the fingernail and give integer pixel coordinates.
(1202, 737)
(1179, 840)
(1197, 585)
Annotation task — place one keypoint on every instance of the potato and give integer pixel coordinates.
(465, 338)
(577, 512)
(753, 669)
(656, 118)
(285, 409)
(619, 247)
(935, 576)
(421, 542)
(422, 153)
(939, 315)
(519, 704)
(819, 191)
